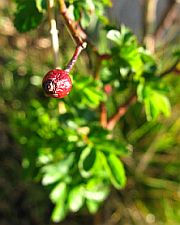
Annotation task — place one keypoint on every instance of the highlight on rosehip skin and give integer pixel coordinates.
(57, 83)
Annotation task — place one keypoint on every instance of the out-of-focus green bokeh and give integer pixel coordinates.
(152, 192)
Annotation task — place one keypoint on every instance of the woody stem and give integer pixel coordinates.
(73, 60)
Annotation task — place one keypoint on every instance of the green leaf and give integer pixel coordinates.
(27, 16)
(154, 100)
(56, 171)
(84, 10)
(88, 92)
(96, 190)
(59, 212)
(85, 20)
(126, 54)
(58, 196)
(124, 37)
(92, 206)
(140, 93)
(41, 5)
(98, 135)
(92, 96)
(86, 161)
(149, 62)
(77, 13)
(114, 169)
(176, 54)
(112, 146)
(157, 104)
(115, 36)
(107, 2)
(76, 198)
(58, 192)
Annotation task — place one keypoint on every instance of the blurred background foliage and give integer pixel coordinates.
(54, 147)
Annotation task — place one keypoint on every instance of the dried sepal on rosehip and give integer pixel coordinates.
(57, 83)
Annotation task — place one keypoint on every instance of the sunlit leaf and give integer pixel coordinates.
(58, 192)
(54, 172)
(92, 206)
(41, 5)
(115, 170)
(76, 198)
(154, 100)
(58, 196)
(115, 36)
(96, 190)
(86, 161)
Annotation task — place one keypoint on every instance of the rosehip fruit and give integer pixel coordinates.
(57, 83)
(108, 88)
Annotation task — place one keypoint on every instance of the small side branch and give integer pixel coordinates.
(78, 34)
(120, 112)
(77, 52)
(103, 116)
(169, 70)
(54, 32)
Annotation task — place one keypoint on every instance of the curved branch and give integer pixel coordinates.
(103, 116)
(78, 34)
(120, 112)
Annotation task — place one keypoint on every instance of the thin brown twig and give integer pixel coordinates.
(169, 70)
(147, 157)
(54, 32)
(74, 58)
(103, 115)
(120, 112)
(78, 34)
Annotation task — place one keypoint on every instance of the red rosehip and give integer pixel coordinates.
(57, 83)
(108, 88)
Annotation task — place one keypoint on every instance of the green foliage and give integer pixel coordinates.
(126, 52)
(88, 92)
(28, 15)
(115, 170)
(85, 10)
(75, 172)
(72, 154)
(128, 59)
(154, 99)
(41, 5)
(58, 197)
(133, 65)
(64, 144)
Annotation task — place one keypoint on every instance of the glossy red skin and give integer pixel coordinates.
(61, 81)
